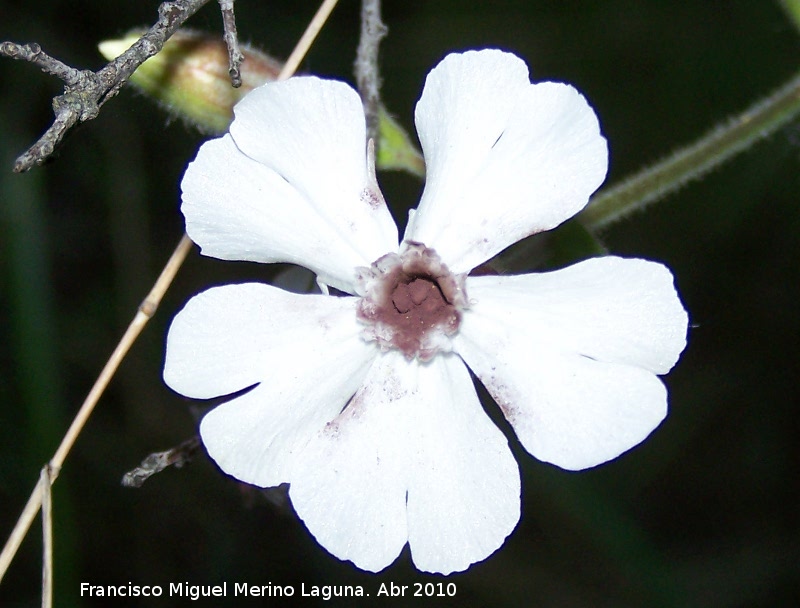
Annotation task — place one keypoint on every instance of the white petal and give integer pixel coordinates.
(505, 158)
(413, 457)
(303, 350)
(313, 133)
(238, 209)
(571, 356)
(608, 308)
(291, 183)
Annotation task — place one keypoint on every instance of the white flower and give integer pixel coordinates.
(364, 403)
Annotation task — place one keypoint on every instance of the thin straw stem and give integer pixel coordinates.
(307, 39)
(47, 537)
(143, 315)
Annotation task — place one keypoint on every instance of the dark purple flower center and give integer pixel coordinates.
(412, 302)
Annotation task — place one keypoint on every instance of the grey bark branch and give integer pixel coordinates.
(34, 54)
(235, 56)
(367, 71)
(86, 91)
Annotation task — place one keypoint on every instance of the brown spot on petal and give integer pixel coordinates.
(502, 397)
(372, 198)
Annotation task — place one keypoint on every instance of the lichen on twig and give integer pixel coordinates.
(86, 91)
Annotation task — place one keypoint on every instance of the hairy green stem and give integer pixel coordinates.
(695, 160)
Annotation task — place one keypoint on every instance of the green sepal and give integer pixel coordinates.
(396, 152)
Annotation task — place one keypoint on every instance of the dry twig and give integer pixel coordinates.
(146, 310)
(46, 480)
(85, 91)
(41, 491)
(158, 461)
(235, 56)
(366, 67)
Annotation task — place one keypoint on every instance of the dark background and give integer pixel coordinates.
(704, 513)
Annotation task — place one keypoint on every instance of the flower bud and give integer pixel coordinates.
(189, 77)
